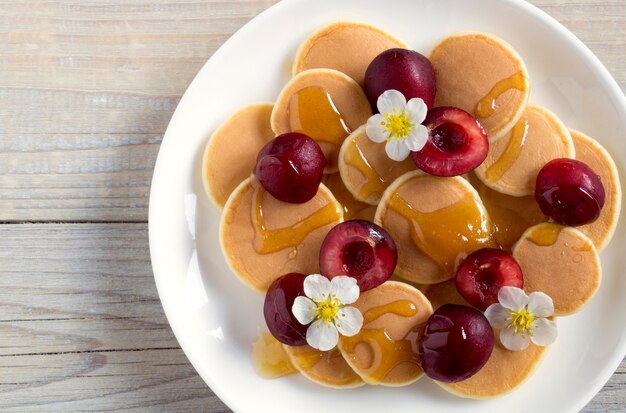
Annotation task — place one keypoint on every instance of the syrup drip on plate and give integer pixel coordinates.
(269, 358)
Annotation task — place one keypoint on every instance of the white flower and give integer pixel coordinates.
(325, 308)
(398, 123)
(522, 318)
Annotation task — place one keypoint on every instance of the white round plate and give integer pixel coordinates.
(216, 318)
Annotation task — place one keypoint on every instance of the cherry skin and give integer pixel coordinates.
(456, 343)
(569, 192)
(277, 309)
(457, 143)
(291, 167)
(359, 249)
(404, 70)
(481, 274)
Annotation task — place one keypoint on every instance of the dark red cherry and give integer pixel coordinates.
(290, 167)
(569, 191)
(481, 274)
(404, 70)
(359, 249)
(457, 143)
(456, 343)
(277, 309)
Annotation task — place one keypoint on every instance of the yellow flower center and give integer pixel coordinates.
(327, 309)
(398, 125)
(522, 321)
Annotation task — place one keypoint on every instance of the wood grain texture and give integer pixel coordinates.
(87, 88)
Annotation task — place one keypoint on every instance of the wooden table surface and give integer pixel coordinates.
(87, 88)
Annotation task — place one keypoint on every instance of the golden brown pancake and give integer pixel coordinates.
(384, 351)
(514, 160)
(435, 223)
(561, 262)
(324, 104)
(511, 215)
(593, 154)
(504, 372)
(230, 154)
(327, 368)
(443, 293)
(345, 46)
(366, 169)
(484, 76)
(352, 209)
(263, 238)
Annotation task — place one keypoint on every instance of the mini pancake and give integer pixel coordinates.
(561, 262)
(327, 368)
(324, 104)
(263, 238)
(443, 293)
(230, 154)
(383, 352)
(511, 215)
(435, 222)
(593, 154)
(504, 371)
(352, 209)
(484, 76)
(513, 162)
(345, 46)
(366, 169)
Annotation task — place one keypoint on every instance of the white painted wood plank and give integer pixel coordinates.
(81, 323)
(87, 90)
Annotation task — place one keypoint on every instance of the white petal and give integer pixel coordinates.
(416, 109)
(349, 322)
(317, 287)
(540, 304)
(303, 310)
(375, 130)
(389, 100)
(545, 332)
(397, 150)
(497, 315)
(512, 342)
(416, 140)
(322, 336)
(345, 289)
(512, 298)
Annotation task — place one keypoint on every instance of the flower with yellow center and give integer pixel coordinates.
(399, 123)
(522, 318)
(325, 308)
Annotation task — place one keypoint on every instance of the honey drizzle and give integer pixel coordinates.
(449, 233)
(487, 105)
(312, 112)
(546, 234)
(386, 352)
(511, 152)
(351, 206)
(270, 359)
(404, 308)
(374, 183)
(273, 240)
